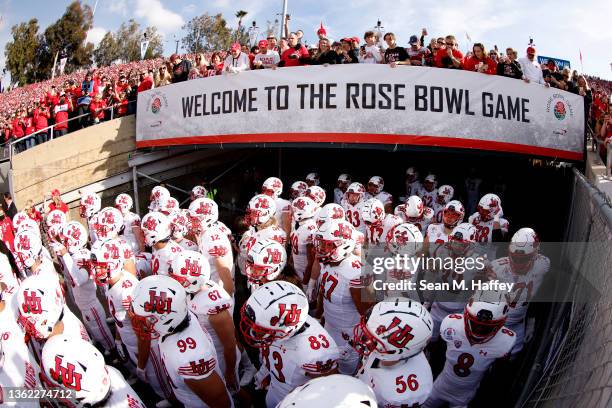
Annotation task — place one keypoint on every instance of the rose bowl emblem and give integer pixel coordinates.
(560, 110)
(156, 105)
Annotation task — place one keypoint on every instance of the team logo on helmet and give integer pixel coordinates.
(398, 338)
(24, 242)
(150, 224)
(160, 304)
(31, 303)
(273, 256)
(289, 317)
(205, 208)
(66, 375)
(191, 268)
(343, 231)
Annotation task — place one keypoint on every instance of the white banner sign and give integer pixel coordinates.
(364, 103)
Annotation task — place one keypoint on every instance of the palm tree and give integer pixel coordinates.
(240, 14)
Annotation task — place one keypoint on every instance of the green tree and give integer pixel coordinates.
(240, 14)
(69, 34)
(129, 37)
(206, 33)
(107, 51)
(22, 52)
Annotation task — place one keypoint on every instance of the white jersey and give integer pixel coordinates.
(438, 211)
(484, 229)
(282, 207)
(8, 278)
(214, 244)
(144, 264)
(353, 215)
(300, 239)
(383, 197)
(467, 363)
(81, 285)
(121, 393)
(131, 220)
(188, 355)
(311, 350)
(338, 196)
(407, 383)
(374, 234)
(336, 284)
(428, 197)
(162, 258)
(436, 236)
(211, 300)
(413, 188)
(224, 230)
(188, 245)
(119, 298)
(525, 286)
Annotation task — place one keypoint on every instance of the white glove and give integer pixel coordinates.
(310, 290)
(141, 374)
(119, 347)
(529, 329)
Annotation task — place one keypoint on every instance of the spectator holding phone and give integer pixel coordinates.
(418, 54)
(295, 55)
(325, 55)
(449, 56)
(370, 52)
(395, 55)
(479, 61)
(509, 66)
(349, 54)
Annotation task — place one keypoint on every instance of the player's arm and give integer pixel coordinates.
(319, 309)
(130, 267)
(362, 306)
(137, 231)
(224, 268)
(310, 257)
(211, 390)
(223, 325)
(286, 221)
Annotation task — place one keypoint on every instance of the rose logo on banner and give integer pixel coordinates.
(559, 110)
(156, 105)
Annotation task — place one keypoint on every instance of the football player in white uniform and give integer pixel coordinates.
(429, 192)
(76, 261)
(445, 194)
(179, 226)
(336, 390)
(107, 224)
(32, 256)
(403, 240)
(157, 194)
(302, 249)
(437, 233)
(490, 226)
(298, 189)
(376, 184)
(159, 311)
(90, 204)
(273, 187)
(198, 192)
(294, 346)
(213, 241)
(392, 337)
(415, 212)
(156, 229)
(413, 185)
(131, 223)
(475, 339)
(352, 206)
(107, 268)
(316, 194)
(373, 213)
(265, 262)
(341, 286)
(341, 185)
(75, 365)
(212, 305)
(312, 179)
(168, 205)
(525, 267)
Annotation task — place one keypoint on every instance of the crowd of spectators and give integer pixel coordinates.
(90, 95)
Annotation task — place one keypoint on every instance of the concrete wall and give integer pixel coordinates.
(77, 159)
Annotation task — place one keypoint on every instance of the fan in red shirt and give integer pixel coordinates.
(32, 212)
(57, 203)
(146, 82)
(295, 55)
(6, 229)
(60, 113)
(96, 108)
(479, 61)
(449, 56)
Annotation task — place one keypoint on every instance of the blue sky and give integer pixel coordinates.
(560, 29)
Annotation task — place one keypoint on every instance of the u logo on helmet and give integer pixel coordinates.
(31, 303)
(66, 375)
(204, 209)
(161, 304)
(400, 337)
(274, 256)
(150, 224)
(191, 268)
(289, 317)
(24, 243)
(343, 231)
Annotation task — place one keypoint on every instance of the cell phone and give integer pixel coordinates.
(362, 48)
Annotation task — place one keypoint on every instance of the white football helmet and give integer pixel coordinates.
(445, 194)
(485, 314)
(273, 312)
(453, 214)
(274, 185)
(334, 241)
(124, 203)
(377, 183)
(106, 261)
(191, 269)
(40, 304)
(54, 233)
(489, 206)
(168, 205)
(312, 179)
(430, 182)
(76, 365)
(404, 239)
(28, 247)
(157, 194)
(55, 217)
(29, 225)
(373, 211)
(260, 210)
(330, 212)
(108, 223)
(354, 193)
(462, 238)
(344, 180)
(204, 213)
(523, 249)
(395, 329)
(156, 228)
(159, 306)
(298, 189)
(389, 222)
(265, 261)
(90, 204)
(333, 391)
(198, 192)
(18, 218)
(179, 224)
(414, 207)
(412, 175)
(74, 236)
(303, 208)
(317, 194)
